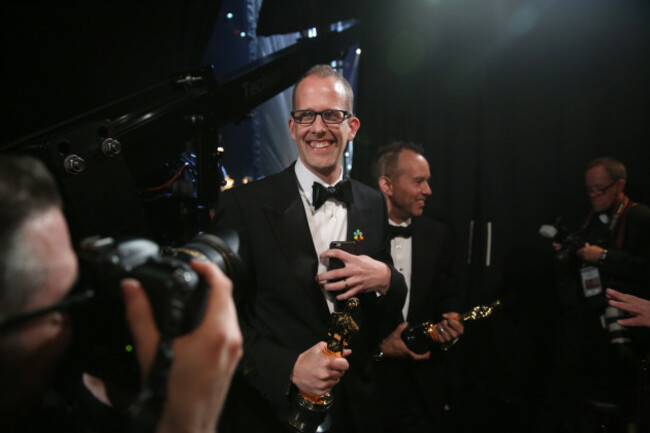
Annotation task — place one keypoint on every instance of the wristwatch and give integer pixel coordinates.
(603, 256)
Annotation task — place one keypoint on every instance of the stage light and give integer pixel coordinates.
(230, 182)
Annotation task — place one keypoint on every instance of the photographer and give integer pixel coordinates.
(598, 361)
(38, 268)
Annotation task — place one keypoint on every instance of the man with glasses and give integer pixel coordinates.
(38, 268)
(286, 223)
(613, 215)
(597, 361)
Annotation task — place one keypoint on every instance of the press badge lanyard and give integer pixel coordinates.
(589, 275)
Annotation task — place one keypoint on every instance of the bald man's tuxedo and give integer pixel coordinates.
(283, 311)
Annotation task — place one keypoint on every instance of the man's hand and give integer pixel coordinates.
(360, 274)
(316, 373)
(449, 328)
(639, 308)
(394, 347)
(204, 360)
(590, 253)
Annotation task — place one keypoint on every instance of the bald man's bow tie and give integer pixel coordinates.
(342, 191)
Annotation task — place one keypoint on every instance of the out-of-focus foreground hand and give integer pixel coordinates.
(204, 360)
(639, 308)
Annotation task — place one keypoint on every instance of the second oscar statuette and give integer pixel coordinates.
(424, 337)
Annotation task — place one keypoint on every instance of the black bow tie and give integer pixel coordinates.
(342, 191)
(397, 231)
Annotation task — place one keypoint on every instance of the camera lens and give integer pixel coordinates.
(219, 246)
(617, 334)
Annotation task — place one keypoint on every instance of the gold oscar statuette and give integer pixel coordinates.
(425, 336)
(309, 412)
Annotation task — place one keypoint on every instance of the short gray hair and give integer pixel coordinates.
(388, 156)
(27, 190)
(326, 71)
(614, 167)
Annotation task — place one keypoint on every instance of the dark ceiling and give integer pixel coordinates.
(62, 60)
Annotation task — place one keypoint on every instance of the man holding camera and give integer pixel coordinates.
(38, 269)
(286, 223)
(416, 385)
(597, 357)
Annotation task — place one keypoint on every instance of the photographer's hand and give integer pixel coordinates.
(590, 253)
(639, 308)
(204, 360)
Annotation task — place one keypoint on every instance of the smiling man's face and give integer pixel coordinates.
(408, 189)
(321, 145)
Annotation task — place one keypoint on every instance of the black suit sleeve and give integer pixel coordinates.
(265, 365)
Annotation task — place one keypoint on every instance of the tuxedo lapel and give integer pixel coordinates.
(422, 248)
(359, 213)
(289, 223)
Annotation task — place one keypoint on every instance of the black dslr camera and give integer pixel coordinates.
(570, 241)
(102, 344)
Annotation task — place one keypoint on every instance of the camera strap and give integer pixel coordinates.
(617, 224)
(146, 410)
(620, 235)
(619, 210)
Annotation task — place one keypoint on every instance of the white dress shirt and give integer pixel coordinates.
(328, 223)
(401, 249)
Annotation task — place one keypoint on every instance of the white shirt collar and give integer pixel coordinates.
(403, 224)
(306, 179)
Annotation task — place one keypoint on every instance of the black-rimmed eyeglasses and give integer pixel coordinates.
(599, 189)
(307, 117)
(66, 304)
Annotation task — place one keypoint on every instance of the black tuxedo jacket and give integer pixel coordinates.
(283, 312)
(433, 292)
(433, 284)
